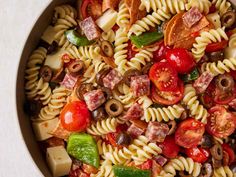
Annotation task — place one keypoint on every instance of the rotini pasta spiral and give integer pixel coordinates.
(191, 101)
(152, 20)
(205, 38)
(163, 114)
(109, 36)
(142, 57)
(145, 101)
(55, 105)
(123, 15)
(103, 127)
(121, 43)
(119, 156)
(44, 91)
(222, 5)
(232, 41)
(104, 148)
(105, 170)
(183, 164)
(66, 20)
(202, 5)
(32, 71)
(89, 52)
(223, 172)
(220, 67)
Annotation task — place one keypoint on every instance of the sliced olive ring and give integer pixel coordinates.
(99, 114)
(107, 92)
(46, 73)
(206, 170)
(114, 107)
(82, 89)
(146, 68)
(107, 48)
(225, 82)
(123, 139)
(228, 19)
(130, 73)
(100, 75)
(172, 127)
(216, 56)
(216, 163)
(217, 152)
(76, 67)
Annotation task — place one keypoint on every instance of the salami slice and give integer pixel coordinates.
(192, 17)
(203, 81)
(112, 79)
(140, 85)
(134, 112)
(69, 81)
(156, 132)
(90, 29)
(94, 99)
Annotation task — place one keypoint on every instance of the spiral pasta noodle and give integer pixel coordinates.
(191, 101)
(182, 164)
(89, 52)
(220, 67)
(205, 38)
(163, 114)
(57, 102)
(150, 20)
(44, 91)
(232, 41)
(142, 57)
(66, 19)
(109, 36)
(223, 172)
(120, 51)
(32, 71)
(105, 170)
(222, 5)
(104, 148)
(123, 15)
(145, 101)
(202, 5)
(103, 127)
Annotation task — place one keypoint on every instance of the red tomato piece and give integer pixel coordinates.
(224, 97)
(180, 59)
(230, 152)
(169, 97)
(78, 173)
(189, 133)
(169, 148)
(220, 123)
(146, 165)
(198, 154)
(163, 76)
(207, 97)
(213, 47)
(160, 53)
(91, 8)
(131, 53)
(75, 116)
(233, 74)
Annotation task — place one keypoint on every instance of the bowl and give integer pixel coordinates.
(24, 121)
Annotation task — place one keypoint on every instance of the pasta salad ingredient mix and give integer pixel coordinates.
(136, 88)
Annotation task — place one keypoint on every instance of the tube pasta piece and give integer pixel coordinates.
(205, 38)
(103, 127)
(149, 21)
(32, 71)
(191, 101)
(163, 114)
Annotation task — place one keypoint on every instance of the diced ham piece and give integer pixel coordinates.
(140, 85)
(232, 104)
(156, 132)
(60, 132)
(160, 160)
(192, 17)
(94, 99)
(134, 112)
(90, 28)
(112, 79)
(69, 81)
(137, 128)
(203, 81)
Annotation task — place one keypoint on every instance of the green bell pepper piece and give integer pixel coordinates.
(146, 38)
(76, 39)
(124, 171)
(193, 75)
(83, 147)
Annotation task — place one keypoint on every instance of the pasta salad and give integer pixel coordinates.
(136, 88)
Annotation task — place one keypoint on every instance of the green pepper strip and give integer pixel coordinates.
(76, 39)
(146, 38)
(191, 76)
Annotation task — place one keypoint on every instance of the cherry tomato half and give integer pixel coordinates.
(230, 152)
(160, 53)
(220, 123)
(189, 133)
(169, 97)
(180, 59)
(75, 116)
(224, 97)
(164, 76)
(207, 97)
(169, 148)
(198, 154)
(91, 8)
(147, 165)
(213, 47)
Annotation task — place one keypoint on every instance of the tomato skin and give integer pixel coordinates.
(163, 76)
(169, 148)
(131, 53)
(95, 9)
(227, 96)
(75, 116)
(213, 47)
(189, 133)
(230, 152)
(198, 154)
(160, 53)
(147, 165)
(175, 96)
(181, 59)
(220, 123)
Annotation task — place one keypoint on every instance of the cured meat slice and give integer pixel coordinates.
(90, 28)
(134, 112)
(203, 81)
(94, 99)
(191, 17)
(156, 131)
(140, 85)
(112, 79)
(69, 81)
